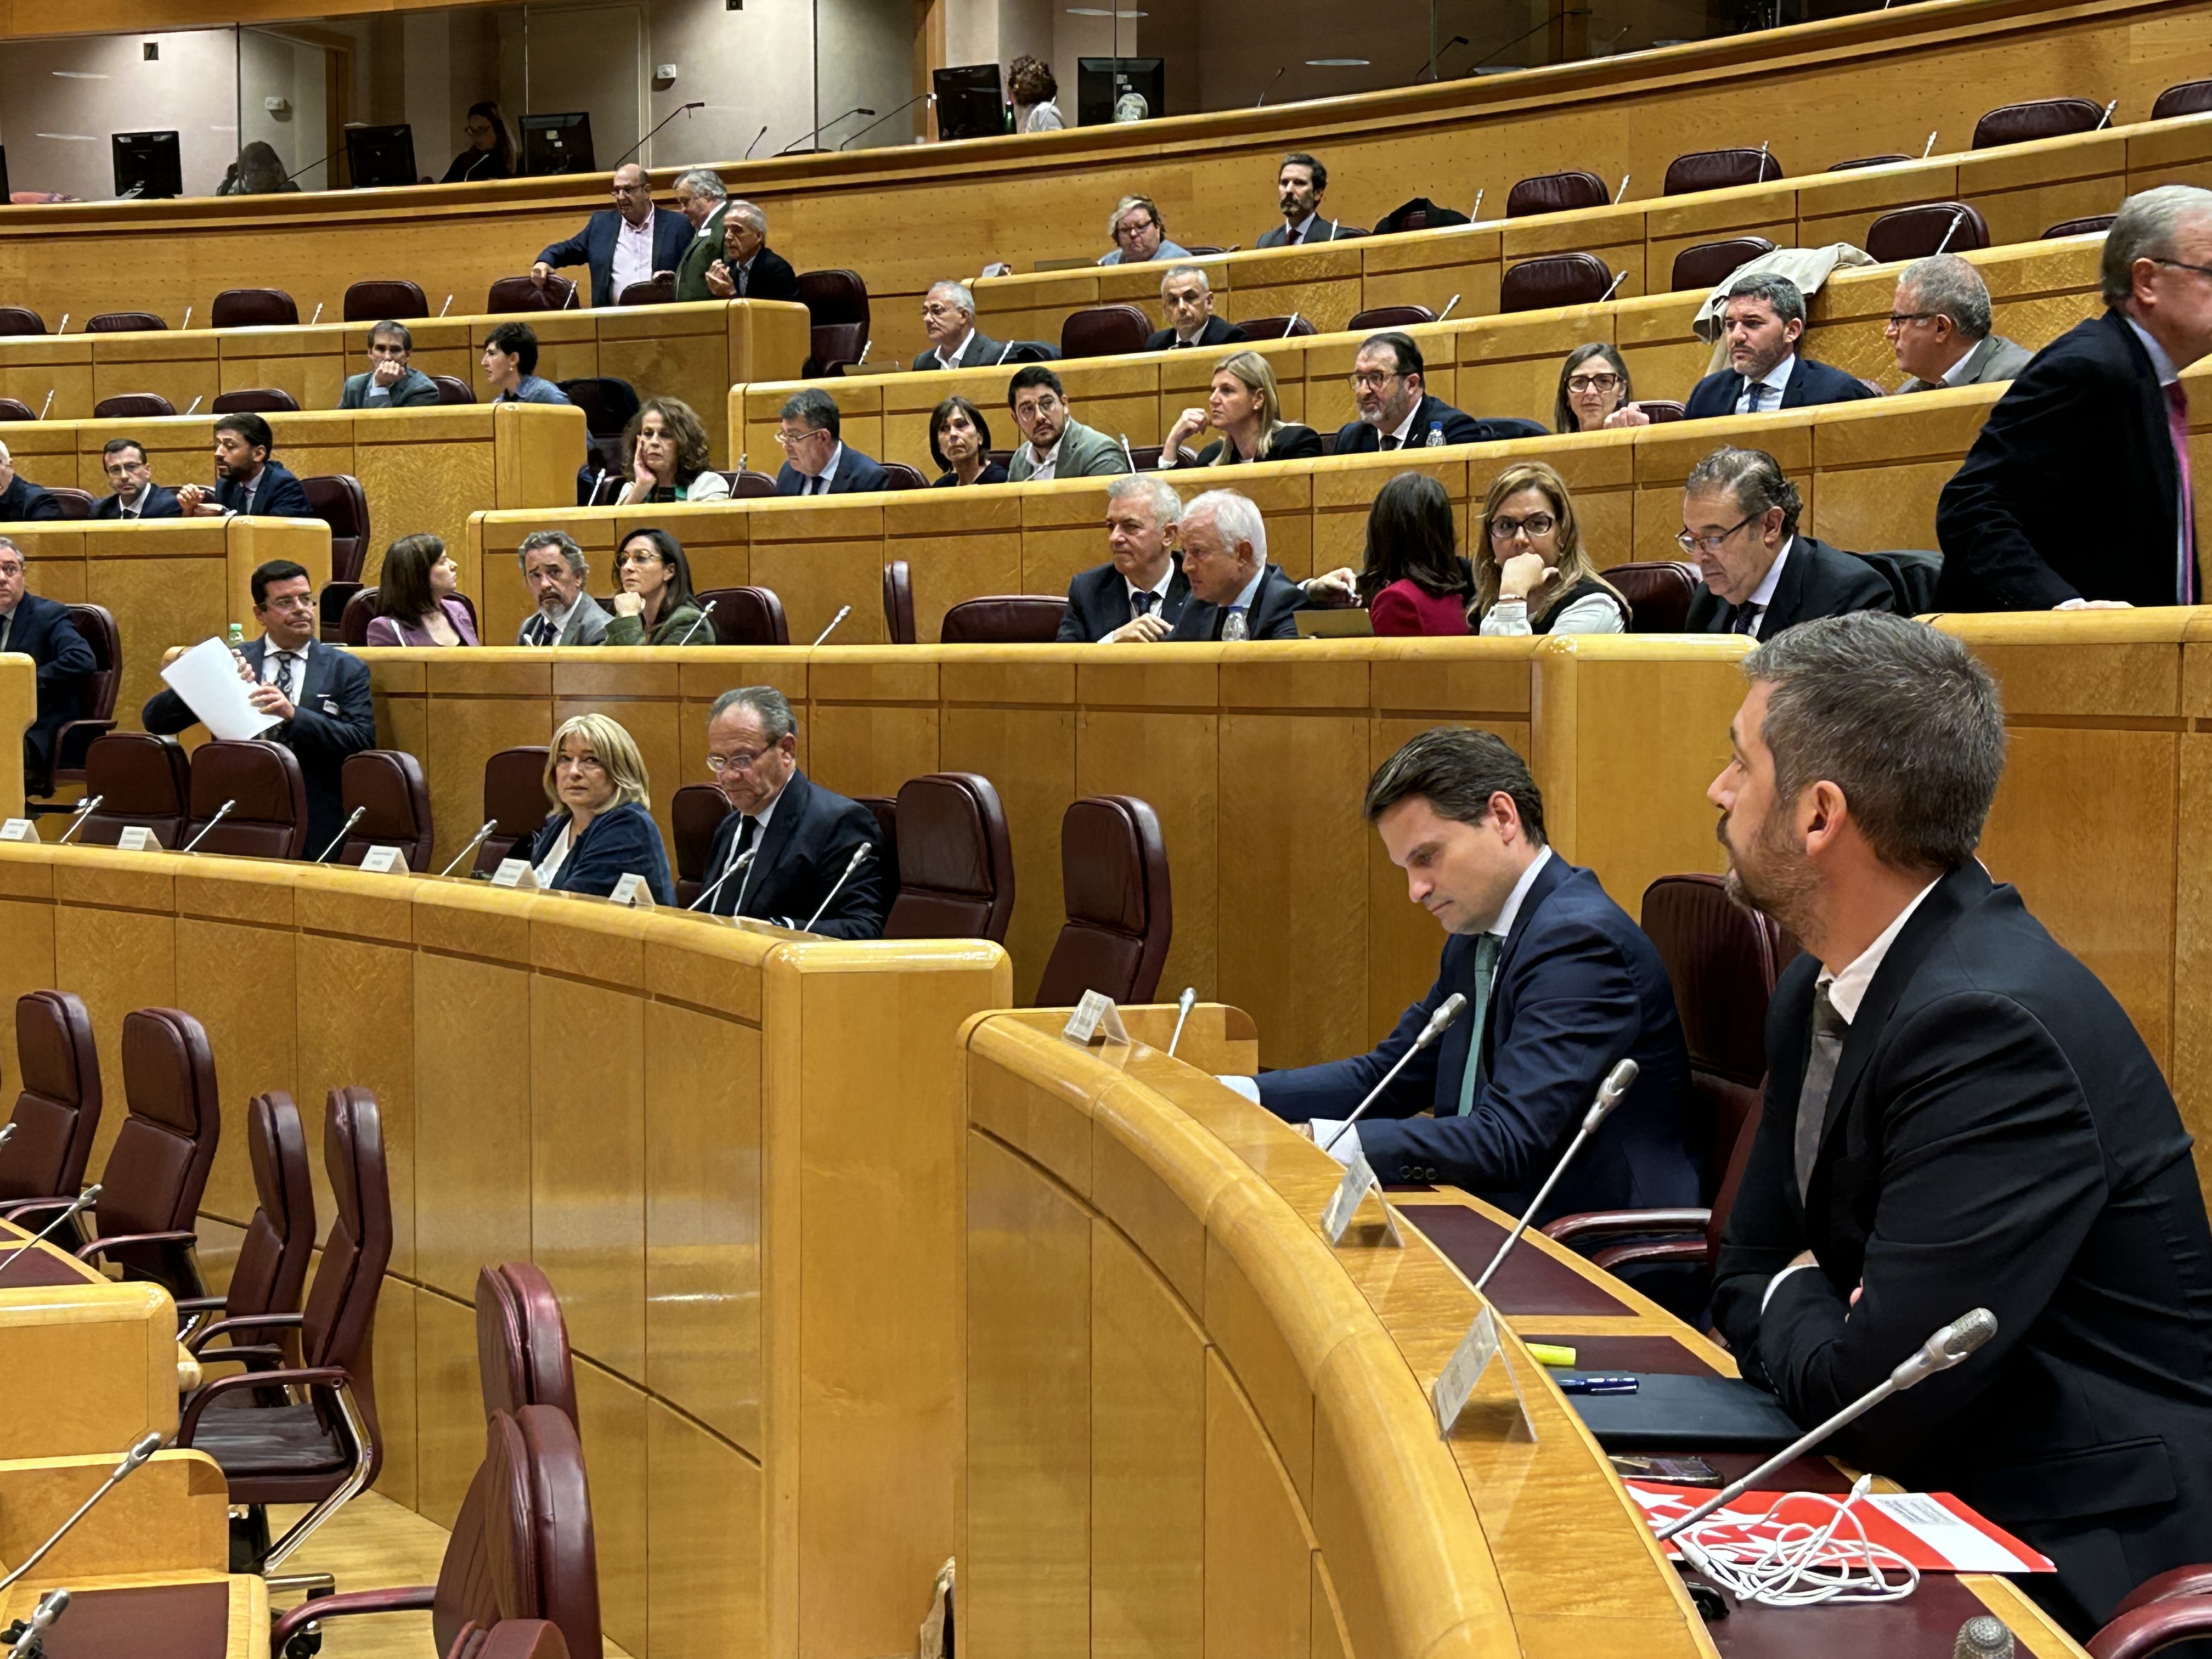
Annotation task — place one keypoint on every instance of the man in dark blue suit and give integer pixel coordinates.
(1762, 323)
(1138, 595)
(135, 494)
(41, 630)
(1396, 408)
(22, 502)
(802, 837)
(632, 241)
(817, 462)
(1560, 987)
(248, 480)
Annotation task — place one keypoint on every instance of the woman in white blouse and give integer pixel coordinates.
(1532, 573)
(666, 444)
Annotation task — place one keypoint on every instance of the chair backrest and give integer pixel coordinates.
(1662, 408)
(57, 1109)
(1914, 233)
(142, 780)
(253, 308)
(837, 304)
(1719, 169)
(379, 297)
(338, 1326)
(363, 606)
(2190, 98)
(20, 319)
(1293, 327)
(898, 602)
(389, 782)
(1556, 279)
(747, 616)
(280, 1238)
(1658, 593)
(269, 820)
(13, 409)
(2045, 117)
(1377, 317)
(832, 347)
(75, 503)
(510, 1638)
(1121, 911)
(523, 1356)
(1706, 266)
(256, 400)
(123, 322)
(1858, 161)
(1104, 332)
(609, 403)
(538, 1539)
(653, 291)
(897, 475)
(339, 499)
(956, 863)
(1004, 619)
(132, 406)
(158, 1167)
(1911, 575)
(695, 813)
(513, 794)
(513, 294)
(452, 390)
(885, 810)
(1556, 192)
(2095, 225)
(748, 485)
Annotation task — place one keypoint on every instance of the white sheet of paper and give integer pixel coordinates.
(206, 677)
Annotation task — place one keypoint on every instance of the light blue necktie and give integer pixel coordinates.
(1485, 969)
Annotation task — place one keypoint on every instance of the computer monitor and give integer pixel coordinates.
(1100, 81)
(381, 157)
(148, 165)
(969, 104)
(557, 144)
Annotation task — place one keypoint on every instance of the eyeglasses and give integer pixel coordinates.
(1579, 383)
(940, 311)
(1536, 524)
(1138, 228)
(1690, 544)
(1900, 318)
(1045, 404)
(740, 761)
(792, 440)
(2182, 265)
(641, 558)
(1369, 380)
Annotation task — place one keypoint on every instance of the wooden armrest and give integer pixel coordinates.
(1592, 1226)
(245, 1322)
(328, 1376)
(317, 1610)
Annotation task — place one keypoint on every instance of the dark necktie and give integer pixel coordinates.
(1390, 444)
(1745, 618)
(541, 630)
(283, 681)
(1754, 391)
(748, 833)
(1485, 970)
(1144, 601)
(1828, 1029)
(1291, 237)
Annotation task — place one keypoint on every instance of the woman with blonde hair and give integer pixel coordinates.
(1532, 573)
(601, 827)
(1244, 407)
(667, 443)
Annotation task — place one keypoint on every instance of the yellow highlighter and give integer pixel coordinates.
(1549, 1353)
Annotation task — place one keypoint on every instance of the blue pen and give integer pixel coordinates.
(1622, 1384)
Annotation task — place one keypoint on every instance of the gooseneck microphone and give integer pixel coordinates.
(1610, 1093)
(657, 126)
(1950, 1345)
(805, 136)
(84, 1199)
(51, 1606)
(221, 813)
(85, 810)
(1438, 1022)
(7, 1134)
(474, 841)
(1270, 87)
(345, 830)
(757, 136)
(1182, 1013)
(879, 121)
(859, 856)
(697, 622)
(736, 865)
(132, 1462)
(843, 611)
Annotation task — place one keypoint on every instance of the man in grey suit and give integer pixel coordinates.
(554, 567)
(1056, 445)
(948, 317)
(389, 383)
(1938, 327)
(1300, 183)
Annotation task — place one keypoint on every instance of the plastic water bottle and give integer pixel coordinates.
(236, 636)
(1436, 434)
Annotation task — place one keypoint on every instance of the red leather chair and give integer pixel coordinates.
(748, 486)
(280, 1239)
(1660, 410)
(514, 797)
(512, 294)
(654, 291)
(1658, 594)
(453, 391)
(1719, 169)
(2095, 225)
(253, 308)
(746, 615)
(1556, 192)
(2158, 1613)
(58, 1111)
(2047, 118)
(1706, 266)
(1121, 912)
(1723, 961)
(95, 623)
(1556, 279)
(1380, 317)
(339, 499)
(898, 603)
(885, 809)
(20, 319)
(1004, 619)
(510, 1638)
(269, 820)
(143, 782)
(125, 322)
(1293, 327)
(956, 863)
(256, 400)
(899, 475)
(382, 297)
(2190, 98)
(75, 503)
(694, 813)
(837, 304)
(325, 1450)
(389, 782)
(133, 406)
(1104, 332)
(1914, 233)
(13, 409)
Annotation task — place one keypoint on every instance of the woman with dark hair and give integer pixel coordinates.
(960, 443)
(490, 154)
(667, 443)
(1592, 384)
(1531, 573)
(415, 600)
(258, 171)
(1413, 580)
(655, 606)
(1030, 81)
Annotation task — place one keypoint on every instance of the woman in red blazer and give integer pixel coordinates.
(1414, 580)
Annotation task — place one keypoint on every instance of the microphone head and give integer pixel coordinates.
(1189, 996)
(89, 1196)
(145, 1448)
(1452, 1007)
(1983, 1637)
(1611, 1092)
(1964, 1334)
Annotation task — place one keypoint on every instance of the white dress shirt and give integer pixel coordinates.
(549, 865)
(1045, 467)
(949, 355)
(130, 509)
(269, 657)
(558, 618)
(632, 261)
(760, 837)
(2162, 366)
(1763, 595)
(1406, 426)
(819, 484)
(1777, 377)
(1159, 591)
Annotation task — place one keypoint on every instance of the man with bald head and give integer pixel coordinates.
(22, 502)
(633, 241)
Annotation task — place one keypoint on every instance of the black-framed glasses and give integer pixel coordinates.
(2181, 264)
(1690, 544)
(1128, 227)
(1370, 380)
(1900, 318)
(1536, 524)
(1581, 383)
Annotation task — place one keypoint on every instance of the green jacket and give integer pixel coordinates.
(671, 629)
(1084, 453)
(702, 251)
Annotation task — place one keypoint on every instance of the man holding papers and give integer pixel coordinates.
(317, 693)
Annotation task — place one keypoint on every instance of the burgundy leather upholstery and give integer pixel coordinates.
(1658, 594)
(1858, 161)
(390, 783)
(1914, 233)
(2148, 1629)
(510, 1638)
(2047, 118)
(280, 1238)
(1277, 328)
(452, 390)
(747, 485)
(1719, 169)
(2096, 224)
(747, 616)
(885, 809)
(57, 1109)
(1004, 619)
(2190, 98)
(1706, 266)
(899, 475)
(1380, 317)
(653, 291)
(898, 603)
(253, 308)
(142, 780)
(20, 319)
(1121, 912)
(1556, 279)
(694, 813)
(95, 624)
(132, 406)
(1660, 410)
(125, 322)
(75, 503)
(158, 1168)
(379, 297)
(12, 409)
(514, 794)
(1104, 332)
(837, 304)
(1557, 192)
(270, 818)
(256, 400)
(510, 295)
(956, 863)
(339, 499)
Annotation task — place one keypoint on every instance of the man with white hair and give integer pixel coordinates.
(948, 317)
(1139, 594)
(1938, 327)
(2078, 491)
(701, 198)
(1187, 302)
(22, 502)
(749, 269)
(1235, 593)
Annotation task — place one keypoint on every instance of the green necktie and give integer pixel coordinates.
(1485, 966)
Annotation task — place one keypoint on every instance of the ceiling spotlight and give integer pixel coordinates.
(1336, 63)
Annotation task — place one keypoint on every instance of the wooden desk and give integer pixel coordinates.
(92, 1365)
(171, 1516)
(19, 707)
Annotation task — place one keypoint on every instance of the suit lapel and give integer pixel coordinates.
(790, 807)
(1556, 870)
(2157, 439)
(1789, 601)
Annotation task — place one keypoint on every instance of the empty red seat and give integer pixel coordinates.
(1719, 169)
(510, 295)
(96, 625)
(256, 400)
(75, 503)
(695, 813)
(2095, 225)
(2190, 98)
(389, 784)
(13, 408)
(142, 782)
(381, 297)
(1104, 332)
(1706, 266)
(514, 799)
(123, 322)
(253, 308)
(133, 406)
(271, 1264)
(57, 1109)
(1658, 593)
(1377, 317)
(1004, 619)
(1556, 279)
(747, 616)
(1121, 911)
(20, 319)
(1556, 192)
(898, 603)
(1294, 327)
(956, 863)
(268, 818)
(2045, 117)
(837, 304)
(1914, 233)
(653, 291)
(453, 391)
